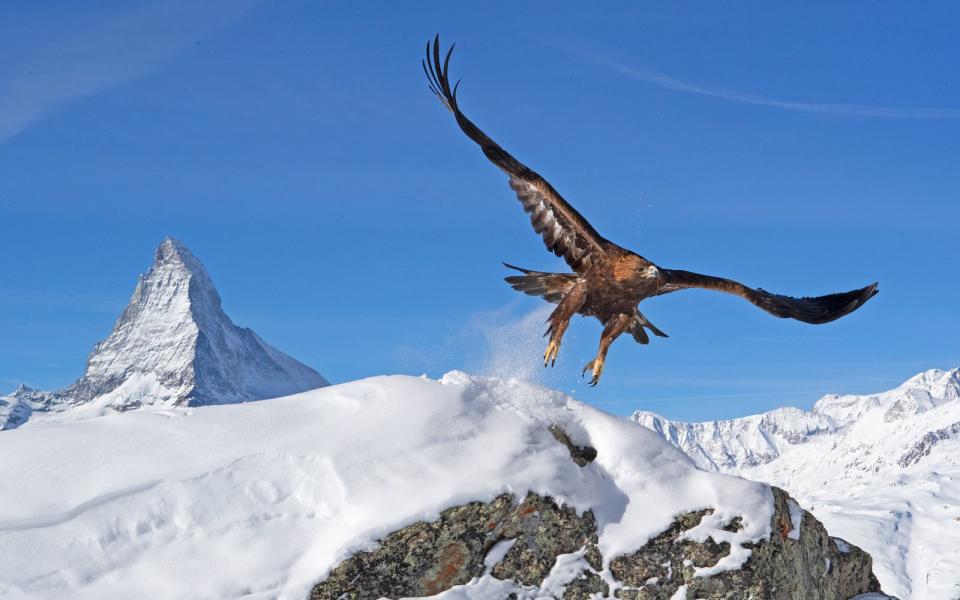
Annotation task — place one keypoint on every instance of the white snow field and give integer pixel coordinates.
(262, 499)
(880, 470)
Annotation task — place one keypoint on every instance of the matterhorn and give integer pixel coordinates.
(173, 346)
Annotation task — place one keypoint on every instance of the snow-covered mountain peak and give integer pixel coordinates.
(172, 249)
(174, 260)
(940, 384)
(21, 390)
(174, 345)
(920, 393)
(757, 439)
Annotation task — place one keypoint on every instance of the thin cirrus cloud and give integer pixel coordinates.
(119, 50)
(855, 110)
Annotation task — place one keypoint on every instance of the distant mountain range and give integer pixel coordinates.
(882, 469)
(172, 346)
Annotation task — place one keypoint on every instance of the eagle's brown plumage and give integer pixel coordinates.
(608, 282)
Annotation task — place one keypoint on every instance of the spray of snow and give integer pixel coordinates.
(514, 345)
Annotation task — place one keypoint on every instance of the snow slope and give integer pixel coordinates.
(262, 499)
(881, 470)
(172, 345)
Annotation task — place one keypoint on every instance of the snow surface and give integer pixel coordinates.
(880, 470)
(172, 345)
(263, 499)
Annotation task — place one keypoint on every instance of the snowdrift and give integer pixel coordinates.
(264, 499)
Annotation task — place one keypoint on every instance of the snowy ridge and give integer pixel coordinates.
(156, 505)
(882, 470)
(172, 346)
(734, 443)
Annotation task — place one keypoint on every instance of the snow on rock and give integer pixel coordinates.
(173, 345)
(880, 470)
(263, 499)
(752, 440)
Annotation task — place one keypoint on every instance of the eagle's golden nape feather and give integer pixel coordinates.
(564, 230)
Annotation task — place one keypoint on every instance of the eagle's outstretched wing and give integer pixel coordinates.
(564, 230)
(820, 309)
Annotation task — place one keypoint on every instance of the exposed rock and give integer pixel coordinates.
(926, 443)
(791, 565)
(582, 455)
(798, 562)
(426, 558)
(585, 586)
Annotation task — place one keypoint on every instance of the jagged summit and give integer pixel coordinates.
(918, 394)
(757, 439)
(173, 255)
(173, 345)
(21, 390)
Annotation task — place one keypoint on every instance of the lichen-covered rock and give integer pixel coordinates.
(427, 558)
(798, 562)
(585, 586)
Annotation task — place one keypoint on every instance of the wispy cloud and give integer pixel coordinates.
(855, 110)
(115, 52)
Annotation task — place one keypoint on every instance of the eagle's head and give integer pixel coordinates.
(634, 268)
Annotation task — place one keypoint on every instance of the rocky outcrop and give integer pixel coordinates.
(799, 561)
(527, 541)
(427, 558)
(581, 455)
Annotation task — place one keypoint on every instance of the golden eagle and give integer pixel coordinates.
(608, 281)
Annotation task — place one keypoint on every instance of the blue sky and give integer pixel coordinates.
(295, 148)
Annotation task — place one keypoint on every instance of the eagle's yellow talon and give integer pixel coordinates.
(550, 356)
(596, 367)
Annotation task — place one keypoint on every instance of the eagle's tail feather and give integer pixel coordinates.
(637, 329)
(549, 286)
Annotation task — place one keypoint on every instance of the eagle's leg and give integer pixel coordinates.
(559, 320)
(611, 331)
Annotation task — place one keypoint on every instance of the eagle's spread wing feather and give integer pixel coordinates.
(819, 309)
(565, 232)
